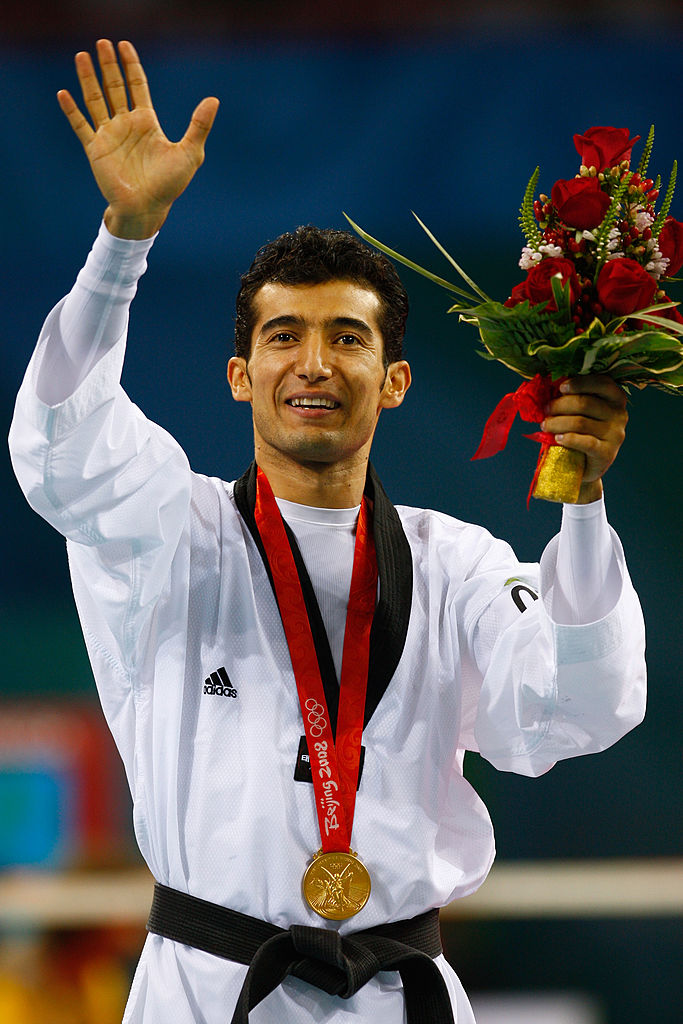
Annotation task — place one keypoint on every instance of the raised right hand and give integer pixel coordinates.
(138, 170)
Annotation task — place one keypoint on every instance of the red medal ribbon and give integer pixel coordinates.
(334, 766)
(530, 401)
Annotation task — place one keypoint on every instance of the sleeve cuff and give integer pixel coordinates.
(115, 265)
(125, 246)
(592, 509)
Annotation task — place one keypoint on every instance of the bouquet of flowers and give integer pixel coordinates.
(598, 259)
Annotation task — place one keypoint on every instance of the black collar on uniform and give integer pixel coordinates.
(392, 614)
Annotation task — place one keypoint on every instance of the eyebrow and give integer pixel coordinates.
(291, 320)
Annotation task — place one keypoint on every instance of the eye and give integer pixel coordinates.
(283, 337)
(347, 340)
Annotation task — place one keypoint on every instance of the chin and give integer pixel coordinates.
(312, 446)
(315, 451)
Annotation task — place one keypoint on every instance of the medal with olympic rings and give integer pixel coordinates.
(336, 884)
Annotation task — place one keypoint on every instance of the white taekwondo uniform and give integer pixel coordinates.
(170, 587)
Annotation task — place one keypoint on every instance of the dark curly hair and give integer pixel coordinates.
(313, 255)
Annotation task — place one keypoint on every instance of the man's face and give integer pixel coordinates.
(315, 376)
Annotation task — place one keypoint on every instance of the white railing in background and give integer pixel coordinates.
(524, 889)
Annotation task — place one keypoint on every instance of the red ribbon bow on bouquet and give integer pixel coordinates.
(530, 400)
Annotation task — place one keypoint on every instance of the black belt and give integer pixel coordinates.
(339, 965)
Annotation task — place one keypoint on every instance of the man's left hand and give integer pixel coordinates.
(590, 416)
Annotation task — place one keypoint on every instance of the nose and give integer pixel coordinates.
(312, 362)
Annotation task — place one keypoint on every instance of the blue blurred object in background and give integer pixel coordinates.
(33, 809)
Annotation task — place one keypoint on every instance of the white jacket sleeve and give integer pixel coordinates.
(564, 674)
(114, 484)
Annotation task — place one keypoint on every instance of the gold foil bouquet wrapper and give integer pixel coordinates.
(560, 475)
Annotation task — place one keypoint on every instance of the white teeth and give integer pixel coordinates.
(313, 403)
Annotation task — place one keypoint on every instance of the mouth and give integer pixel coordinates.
(313, 403)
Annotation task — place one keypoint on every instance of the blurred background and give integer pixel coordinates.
(376, 109)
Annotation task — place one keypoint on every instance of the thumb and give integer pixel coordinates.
(201, 123)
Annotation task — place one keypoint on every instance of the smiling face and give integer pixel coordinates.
(317, 382)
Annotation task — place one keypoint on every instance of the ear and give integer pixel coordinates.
(396, 383)
(238, 379)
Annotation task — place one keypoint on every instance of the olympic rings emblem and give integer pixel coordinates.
(316, 717)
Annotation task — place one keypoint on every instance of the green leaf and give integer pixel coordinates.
(652, 309)
(450, 259)
(529, 340)
(409, 263)
(664, 323)
(562, 294)
(509, 333)
(568, 354)
(669, 376)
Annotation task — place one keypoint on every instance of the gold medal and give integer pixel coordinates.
(336, 885)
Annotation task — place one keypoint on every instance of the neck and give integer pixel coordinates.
(322, 485)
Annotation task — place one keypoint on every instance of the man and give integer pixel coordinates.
(233, 629)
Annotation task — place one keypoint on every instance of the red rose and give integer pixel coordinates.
(670, 314)
(538, 288)
(538, 282)
(580, 202)
(519, 294)
(671, 245)
(624, 286)
(604, 147)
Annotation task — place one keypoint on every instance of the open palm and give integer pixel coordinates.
(138, 170)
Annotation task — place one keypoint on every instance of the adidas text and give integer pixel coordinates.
(219, 685)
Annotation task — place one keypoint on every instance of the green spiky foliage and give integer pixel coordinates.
(601, 233)
(647, 151)
(666, 203)
(527, 220)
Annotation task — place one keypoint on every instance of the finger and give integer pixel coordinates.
(201, 123)
(112, 79)
(135, 75)
(599, 454)
(607, 425)
(596, 384)
(90, 87)
(78, 122)
(589, 407)
(593, 447)
(580, 426)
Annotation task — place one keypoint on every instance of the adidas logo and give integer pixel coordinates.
(218, 683)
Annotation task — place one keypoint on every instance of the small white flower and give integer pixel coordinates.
(550, 250)
(658, 264)
(589, 236)
(642, 219)
(529, 258)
